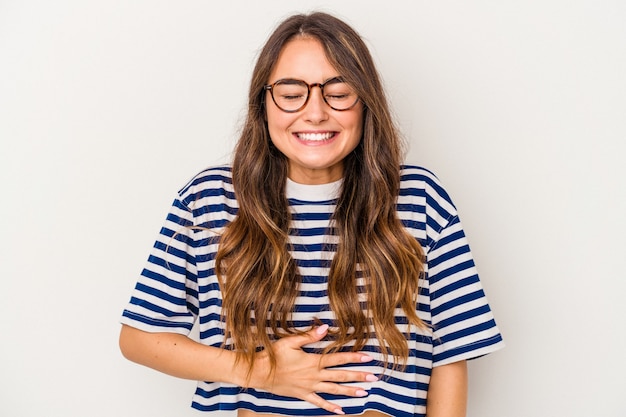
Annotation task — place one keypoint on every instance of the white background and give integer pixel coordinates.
(108, 107)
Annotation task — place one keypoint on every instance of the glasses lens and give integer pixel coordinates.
(339, 95)
(290, 95)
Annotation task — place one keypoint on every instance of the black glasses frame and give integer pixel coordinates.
(270, 88)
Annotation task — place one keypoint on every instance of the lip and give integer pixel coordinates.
(315, 137)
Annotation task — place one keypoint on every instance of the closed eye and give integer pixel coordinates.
(291, 96)
(337, 96)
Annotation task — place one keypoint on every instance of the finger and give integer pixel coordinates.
(318, 401)
(311, 336)
(343, 375)
(343, 358)
(338, 389)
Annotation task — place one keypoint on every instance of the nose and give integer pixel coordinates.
(316, 109)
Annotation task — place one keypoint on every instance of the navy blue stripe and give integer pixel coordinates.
(314, 231)
(459, 234)
(311, 216)
(172, 250)
(215, 208)
(206, 257)
(212, 286)
(464, 316)
(161, 311)
(415, 191)
(314, 294)
(173, 299)
(317, 247)
(154, 322)
(313, 263)
(210, 174)
(452, 270)
(472, 279)
(210, 317)
(169, 265)
(411, 208)
(177, 285)
(458, 301)
(413, 224)
(297, 202)
(415, 173)
(475, 345)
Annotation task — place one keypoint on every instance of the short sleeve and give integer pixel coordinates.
(165, 298)
(463, 324)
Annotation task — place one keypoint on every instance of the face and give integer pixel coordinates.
(315, 139)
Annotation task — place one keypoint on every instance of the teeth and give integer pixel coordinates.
(315, 136)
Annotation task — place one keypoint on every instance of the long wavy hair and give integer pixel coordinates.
(258, 277)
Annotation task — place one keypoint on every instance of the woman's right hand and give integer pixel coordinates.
(302, 375)
(297, 374)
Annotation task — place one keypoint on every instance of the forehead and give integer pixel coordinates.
(304, 59)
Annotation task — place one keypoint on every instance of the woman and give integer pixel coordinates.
(359, 267)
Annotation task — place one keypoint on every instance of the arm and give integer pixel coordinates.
(298, 374)
(447, 392)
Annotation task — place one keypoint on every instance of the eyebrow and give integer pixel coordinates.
(297, 80)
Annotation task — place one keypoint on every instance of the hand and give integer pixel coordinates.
(301, 375)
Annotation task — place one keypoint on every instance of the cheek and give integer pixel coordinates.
(276, 120)
(358, 125)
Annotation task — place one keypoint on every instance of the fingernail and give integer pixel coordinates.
(322, 329)
(366, 358)
(361, 393)
(339, 411)
(371, 378)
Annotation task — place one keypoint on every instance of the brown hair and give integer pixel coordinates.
(258, 277)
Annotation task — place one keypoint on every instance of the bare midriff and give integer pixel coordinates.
(369, 413)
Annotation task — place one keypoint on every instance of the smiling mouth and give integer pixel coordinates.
(315, 137)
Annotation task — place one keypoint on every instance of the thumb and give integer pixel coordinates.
(313, 335)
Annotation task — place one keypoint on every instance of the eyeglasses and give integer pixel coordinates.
(291, 95)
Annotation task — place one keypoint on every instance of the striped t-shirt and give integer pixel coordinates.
(178, 288)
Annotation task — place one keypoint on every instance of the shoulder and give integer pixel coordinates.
(421, 181)
(209, 178)
(414, 175)
(210, 186)
(421, 192)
